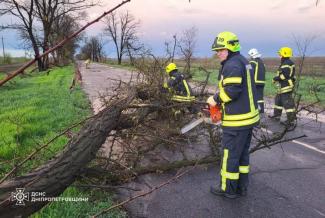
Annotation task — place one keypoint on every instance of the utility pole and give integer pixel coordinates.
(3, 50)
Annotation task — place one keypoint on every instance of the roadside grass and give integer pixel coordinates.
(305, 87)
(199, 75)
(124, 65)
(12, 60)
(33, 110)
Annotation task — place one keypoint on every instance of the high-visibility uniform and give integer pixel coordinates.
(285, 79)
(180, 87)
(259, 78)
(237, 93)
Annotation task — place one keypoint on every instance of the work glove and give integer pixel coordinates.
(213, 102)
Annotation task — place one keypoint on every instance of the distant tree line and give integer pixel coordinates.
(42, 23)
(121, 30)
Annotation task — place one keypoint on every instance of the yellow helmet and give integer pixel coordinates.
(285, 52)
(226, 40)
(170, 67)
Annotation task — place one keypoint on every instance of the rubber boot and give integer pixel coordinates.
(276, 115)
(242, 192)
(219, 192)
(290, 122)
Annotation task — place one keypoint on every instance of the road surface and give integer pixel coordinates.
(285, 181)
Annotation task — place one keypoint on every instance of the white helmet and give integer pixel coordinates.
(254, 53)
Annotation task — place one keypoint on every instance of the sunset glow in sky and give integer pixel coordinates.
(266, 25)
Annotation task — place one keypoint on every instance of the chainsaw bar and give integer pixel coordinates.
(197, 122)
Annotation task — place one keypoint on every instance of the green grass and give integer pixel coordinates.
(201, 76)
(33, 110)
(124, 65)
(79, 208)
(305, 88)
(14, 60)
(306, 83)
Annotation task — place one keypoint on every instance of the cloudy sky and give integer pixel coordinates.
(263, 24)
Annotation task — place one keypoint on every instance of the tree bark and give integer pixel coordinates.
(54, 177)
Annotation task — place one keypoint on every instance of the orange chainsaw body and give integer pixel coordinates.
(215, 113)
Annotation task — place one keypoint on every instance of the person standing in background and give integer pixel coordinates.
(259, 77)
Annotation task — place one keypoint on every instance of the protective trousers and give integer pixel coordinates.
(285, 101)
(235, 160)
(260, 99)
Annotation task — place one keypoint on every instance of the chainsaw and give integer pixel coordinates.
(212, 115)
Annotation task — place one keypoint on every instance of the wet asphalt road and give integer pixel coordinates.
(285, 181)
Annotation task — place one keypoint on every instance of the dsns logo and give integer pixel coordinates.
(20, 196)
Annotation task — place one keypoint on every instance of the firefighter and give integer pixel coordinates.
(285, 80)
(87, 62)
(237, 97)
(259, 77)
(177, 84)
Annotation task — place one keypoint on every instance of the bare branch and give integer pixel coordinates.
(60, 44)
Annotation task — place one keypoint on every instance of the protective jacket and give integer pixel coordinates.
(259, 78)
(237, 93)
(179, 85)
(259, 71)
(285, 76)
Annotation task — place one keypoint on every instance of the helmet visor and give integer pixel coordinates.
(217, 46)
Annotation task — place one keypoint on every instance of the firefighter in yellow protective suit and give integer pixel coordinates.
(238, 99)
(285, 79)
(178, 85)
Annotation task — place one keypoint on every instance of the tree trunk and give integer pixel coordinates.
(55, 176)
(36, 50)
(119, 60)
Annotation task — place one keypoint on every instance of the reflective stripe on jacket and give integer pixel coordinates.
(285, 76)
(237, 92)
(259, 71)
(180, 86)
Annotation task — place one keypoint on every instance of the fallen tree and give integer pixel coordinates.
(138, 125)
(56, 175)
(58, 45)
(140, 135)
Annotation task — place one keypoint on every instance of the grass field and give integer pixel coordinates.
(313, 75)
(36, 108)
(33, 110)
(13, 60)
(124, 65)
(313, 66)
(305, 89)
